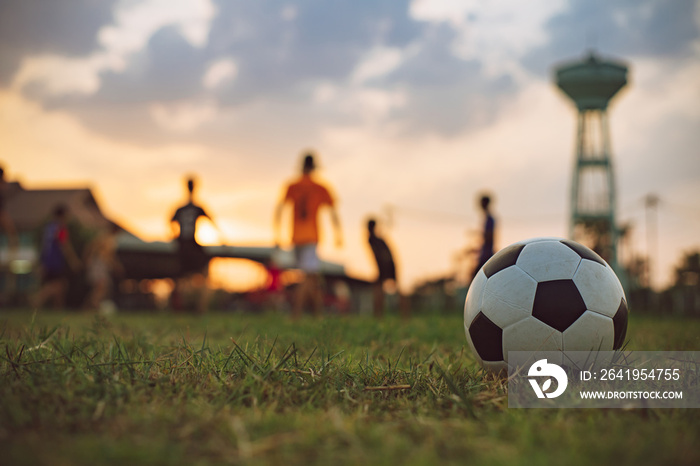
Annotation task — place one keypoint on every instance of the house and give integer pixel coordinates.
(29, 210)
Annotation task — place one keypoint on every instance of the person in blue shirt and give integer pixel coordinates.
(58, 259)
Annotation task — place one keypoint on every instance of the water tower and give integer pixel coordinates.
(591, 84)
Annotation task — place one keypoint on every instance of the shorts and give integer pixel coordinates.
(387, 271)
(307, 258)
(50, 275)
(193, 259)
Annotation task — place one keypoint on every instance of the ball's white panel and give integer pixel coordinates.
(599, 287)
(533, 335)
(588, 360)
(508, 296)
(548, 260)
(617, 281)
(590, 332)
(472, 305)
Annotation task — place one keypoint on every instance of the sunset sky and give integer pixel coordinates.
(413, 107)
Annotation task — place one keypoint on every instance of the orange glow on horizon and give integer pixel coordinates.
(236, 275)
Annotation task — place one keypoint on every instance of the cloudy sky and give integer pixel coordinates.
(414, 107)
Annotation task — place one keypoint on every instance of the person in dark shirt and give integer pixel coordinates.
(487, 243)
(385, 266)
(193, 260)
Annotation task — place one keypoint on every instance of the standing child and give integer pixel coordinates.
(57, 258)
(487, 236)
(307, 196)
(385, 267)
(101, 263)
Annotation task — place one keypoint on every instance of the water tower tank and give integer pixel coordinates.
(591, 83)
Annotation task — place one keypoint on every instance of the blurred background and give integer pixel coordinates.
(414, 108)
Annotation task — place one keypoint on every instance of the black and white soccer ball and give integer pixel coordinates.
(544, 294)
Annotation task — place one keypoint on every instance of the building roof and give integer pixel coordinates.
(29, 208)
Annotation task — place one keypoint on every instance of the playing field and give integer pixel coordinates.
(240, 389)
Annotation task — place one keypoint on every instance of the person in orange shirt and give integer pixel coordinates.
(306, 197)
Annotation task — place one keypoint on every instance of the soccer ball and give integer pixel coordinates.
(544, 294)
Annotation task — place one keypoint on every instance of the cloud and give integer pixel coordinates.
(184, 115)
(133, 27)
(377, 62)
(168, 68)
(282, 52)
(446, 94)
(653, 128)
(40, 28)
(59, 75)
(454, 64)
(252, 55)
(136, 22)
(393, 65)
(666, 30)
(222, 70)
(496, 33)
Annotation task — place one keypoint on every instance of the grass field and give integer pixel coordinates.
(238, 389)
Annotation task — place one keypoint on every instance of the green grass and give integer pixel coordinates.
(233, 389)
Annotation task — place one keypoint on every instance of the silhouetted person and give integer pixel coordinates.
(487, 238)
(385, 267)
(8, 227)
(6, 222)
(192, 258)
(101, 264)
(57, 259)
(306, 197)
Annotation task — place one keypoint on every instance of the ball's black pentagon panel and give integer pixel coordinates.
(487, 338)
(502, 259)
(620, 324)
(558, 303)
(584, 252)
